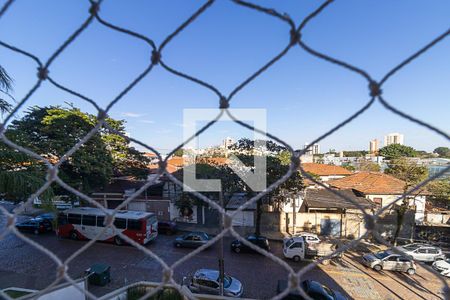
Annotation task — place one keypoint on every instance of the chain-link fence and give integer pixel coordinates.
(294, 30)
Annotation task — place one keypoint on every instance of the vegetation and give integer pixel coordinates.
(412, 174)
(51, 132)
(360, 153)
(440, 190)
(369, 166)
(395, 151)
(5, 88)
(442, 152)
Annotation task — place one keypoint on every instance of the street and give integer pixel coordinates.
(23, 266)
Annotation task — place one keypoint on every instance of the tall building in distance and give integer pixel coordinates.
(227, 142)
(373, 147)
(315, 149)
(393, 138)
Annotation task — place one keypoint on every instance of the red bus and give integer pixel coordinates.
(84, 223)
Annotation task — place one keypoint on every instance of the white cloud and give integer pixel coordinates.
(132, 115)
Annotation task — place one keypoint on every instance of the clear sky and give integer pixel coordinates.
(304, 96)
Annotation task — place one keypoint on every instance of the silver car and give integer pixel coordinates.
(206, 281)
(423, 252)
(390, 261)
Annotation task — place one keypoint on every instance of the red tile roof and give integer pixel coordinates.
(370, 183)
(325, 170)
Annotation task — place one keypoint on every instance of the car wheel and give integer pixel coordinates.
(296, 258)
(74, 235)
(377, 268)
(118, 241)
(237, 249)
(411, 271)
(36, 231)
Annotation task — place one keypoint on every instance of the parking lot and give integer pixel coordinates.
(21, 265)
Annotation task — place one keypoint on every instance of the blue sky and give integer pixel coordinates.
(304, 96)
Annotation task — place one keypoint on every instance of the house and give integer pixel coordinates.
(382, 190)
(247, 216)
(325, 213)
(151, 199)
(326, 172)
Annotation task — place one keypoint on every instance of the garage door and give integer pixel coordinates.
(139, 206)
(243, 218)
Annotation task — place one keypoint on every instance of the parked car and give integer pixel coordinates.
(297, 249)
(167, 227)
(442, 266)
(35, 226)
(192, 240)
(313, 289)
(423, 252)
(310, 238)
(259, 241)
(47, 216)
(390, 261)
(206, 281)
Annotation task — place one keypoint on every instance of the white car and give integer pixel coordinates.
(442, 266)
(423, 252)
(310, 238)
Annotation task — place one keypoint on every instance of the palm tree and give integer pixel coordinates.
(5, 87)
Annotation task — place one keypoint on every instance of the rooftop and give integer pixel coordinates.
(370, 183)
(325, 170)
(323, 198)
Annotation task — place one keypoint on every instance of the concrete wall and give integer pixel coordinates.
(437, 218)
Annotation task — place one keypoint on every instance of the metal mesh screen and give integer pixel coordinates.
(294, 29)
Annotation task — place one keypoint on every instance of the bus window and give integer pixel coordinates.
(88, 220)
(120, 223)
(134, 224)
(74, 219)
(100, 221)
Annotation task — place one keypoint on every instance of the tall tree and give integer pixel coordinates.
(394, 151)
(52, 131)
(412, 174)
(5, 87)
(442, 152)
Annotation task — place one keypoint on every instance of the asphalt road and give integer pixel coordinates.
(22, 265)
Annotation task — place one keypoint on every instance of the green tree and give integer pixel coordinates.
(394, 151)
(442, 152)
(359, 153)
(412, 174)
(52, 131)
(440, 190)
(368, 166)
(5, 87)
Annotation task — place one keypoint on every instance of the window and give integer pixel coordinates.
(296, 245)
(422, 250)
(134, 224)
(433, 251)
(196, 238)
(403, 259)
(189, 238)
(100, 221)
(74, 219)
(89, 220)
(120, 223)
(392, 258)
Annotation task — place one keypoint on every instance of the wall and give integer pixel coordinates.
(417, 201)
(437, 218)
(349, 225)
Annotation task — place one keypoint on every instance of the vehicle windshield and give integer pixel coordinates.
(289, 243)
(411, 247)
(382, 254)
(227, 281)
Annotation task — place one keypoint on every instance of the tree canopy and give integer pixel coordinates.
(52, 131)
(394, 151)
(442, 152)
(408, 171)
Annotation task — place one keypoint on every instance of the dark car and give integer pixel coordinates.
(192, 240)
(313, 289)
(260, 241)
(47, 216)
(167, 227)
(36, 226)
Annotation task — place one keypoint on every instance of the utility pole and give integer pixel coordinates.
(221, 260)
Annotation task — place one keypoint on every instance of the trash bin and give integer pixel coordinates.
(98, 274)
